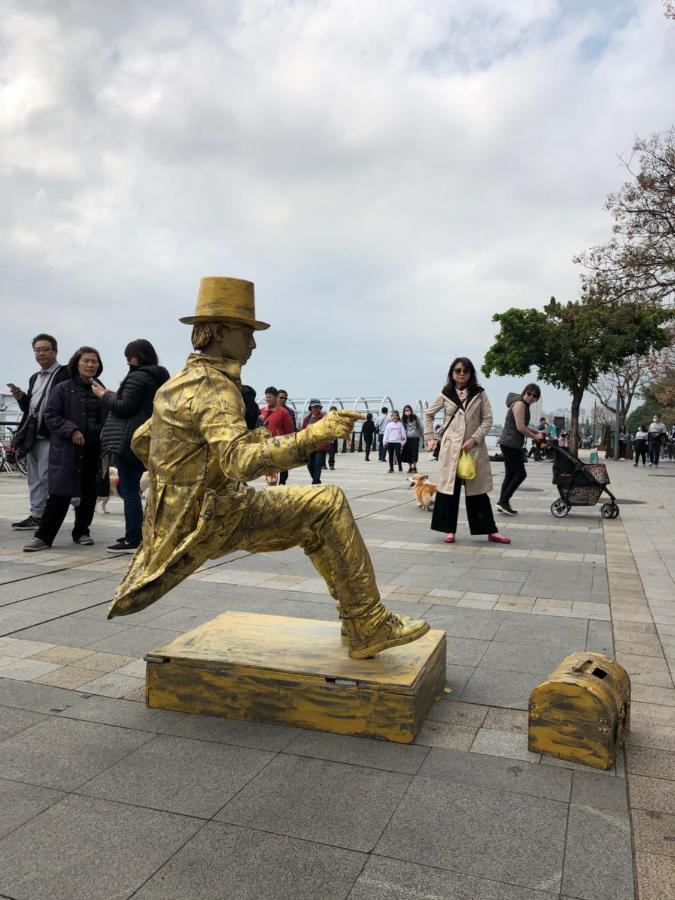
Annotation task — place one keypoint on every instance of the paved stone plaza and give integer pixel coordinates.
(103, 798)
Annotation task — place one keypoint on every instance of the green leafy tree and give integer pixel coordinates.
(572, 344)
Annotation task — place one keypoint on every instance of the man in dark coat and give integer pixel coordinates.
(33, 402)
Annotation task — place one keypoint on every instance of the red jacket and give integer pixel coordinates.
(278, 420)
(306, 421)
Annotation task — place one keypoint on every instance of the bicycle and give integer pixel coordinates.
(10, 460)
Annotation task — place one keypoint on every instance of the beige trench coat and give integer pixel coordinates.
(473, 422)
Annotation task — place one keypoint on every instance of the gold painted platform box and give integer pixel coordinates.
(297, 672)
(581, 713)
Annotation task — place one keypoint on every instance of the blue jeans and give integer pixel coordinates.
(315, 463)
(129, 490)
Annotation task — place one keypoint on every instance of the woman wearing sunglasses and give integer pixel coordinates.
(467, 419)
(512, 440)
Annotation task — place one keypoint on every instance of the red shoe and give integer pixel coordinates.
(450, 539)
(498, 539)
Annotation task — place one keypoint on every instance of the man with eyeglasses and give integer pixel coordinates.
(32, 403)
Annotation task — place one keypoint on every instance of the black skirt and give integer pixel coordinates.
(411, 451)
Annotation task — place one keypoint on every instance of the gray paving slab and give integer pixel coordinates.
(594, 789)
(135, 640)
(517, 839)
(465, 651)
(359, 751)
(536, 658)
(328, 802)
(467, 623)
(83, 848)
(37, 697)
(195, 778)
(598, 862)
(599, 637)
(22, 802)
(389, 879)
(64, 754)
(182, 618)
(517, 628)
(457, 677)
(42, 585)
(130, 714)
(13, 720)
(509, 775)
(244, 864)
(497, 687)
(71, 631)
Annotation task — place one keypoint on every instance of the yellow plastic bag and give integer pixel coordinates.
(466, 467)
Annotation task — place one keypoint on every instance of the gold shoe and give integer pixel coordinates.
(392, 632)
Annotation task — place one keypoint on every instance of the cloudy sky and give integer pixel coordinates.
(390, 174)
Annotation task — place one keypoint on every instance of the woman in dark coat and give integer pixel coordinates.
(127, 410)
(75, 418)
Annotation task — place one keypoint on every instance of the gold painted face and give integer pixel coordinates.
(234, 341)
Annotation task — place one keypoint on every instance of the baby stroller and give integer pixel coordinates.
(580, 484)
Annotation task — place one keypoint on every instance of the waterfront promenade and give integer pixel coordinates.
(103, 798)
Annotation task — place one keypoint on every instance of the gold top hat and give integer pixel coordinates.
(226, 300)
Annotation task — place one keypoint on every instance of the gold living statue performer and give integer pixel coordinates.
(200, 454)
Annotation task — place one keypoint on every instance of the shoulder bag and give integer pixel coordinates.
(26, 435)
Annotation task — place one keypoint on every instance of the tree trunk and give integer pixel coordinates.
(577, 397)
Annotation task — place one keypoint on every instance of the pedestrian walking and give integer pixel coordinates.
(75, 417)
(641, 437)
(413, 433)
(467, 419)
(656, 432)
(316, 459)
(127, 409)
(333, 449)
(394, 440)
(368, 433)
(622, 441)
(33, 426)
(278, 420)
(382, 421)
(512, 441)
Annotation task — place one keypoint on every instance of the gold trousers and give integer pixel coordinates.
(316, 518)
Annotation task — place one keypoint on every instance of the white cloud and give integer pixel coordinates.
(389, 174)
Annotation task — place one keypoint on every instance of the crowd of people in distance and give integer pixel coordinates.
(82, 432)
(656, 442)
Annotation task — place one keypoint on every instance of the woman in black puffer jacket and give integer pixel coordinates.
(127, 410)
(75, 418)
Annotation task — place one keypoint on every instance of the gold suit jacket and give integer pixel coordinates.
(199, 454)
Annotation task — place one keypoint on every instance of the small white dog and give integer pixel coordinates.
(424, 491)
(114, 482)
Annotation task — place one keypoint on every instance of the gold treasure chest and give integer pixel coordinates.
(582, 711)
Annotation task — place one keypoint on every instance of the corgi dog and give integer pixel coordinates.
(424, 491)
(114, 482)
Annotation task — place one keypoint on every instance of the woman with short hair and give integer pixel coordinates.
(512, 441)
(75, 418)
(467, 420)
